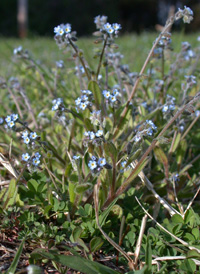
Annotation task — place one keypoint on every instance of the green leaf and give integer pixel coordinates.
(77, 263)
(95, 244)
(14, 263)
(111, 150)
(10, 194)
(195, 232)
(93, 86)
(189, 237)
(32, 185)
(176, 218)
(72, 194)
(103, 216)
(176, 142)
(148, 254)
(180, 153)
(77, 233)
(82, 188)
(193, 254)
(160, 155)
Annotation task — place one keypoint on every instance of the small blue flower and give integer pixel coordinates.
(165, 108)
(83, 105)
(92, 164)
(37, 155)
(33, 135)
(78, 101)
(25, 134)
(1, 121)
(112, 98)
(8, 119)
(92, 135)
(149, 132)
(106, 93)
(26, 140)
(99, 133)
(67, 28)
(14, 117)
(94, 158)
(123, 164)
(36, 161)
(11, 124)
(115, 92)
(116, 26)
(75, 157)
(25, 157)
(101, 162)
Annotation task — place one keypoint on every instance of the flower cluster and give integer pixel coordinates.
(169, 106)
(34, 160)
(19, 52)
(58, 104)
(186, 14)
(95, 117)
(191, 80)
(104, 26)
(84, 101)
(111, 97)
(64, 34)
(124, 166)
(60, 64)
(187, 52)
(146, 129)
(94, 138)
(29, 137)
(96, 164)
(11, 120)
(63, 29)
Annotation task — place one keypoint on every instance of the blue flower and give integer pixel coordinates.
(99, 133)
(112, 98)
(33, 135)
(11, 124)
(36, 161)
(92, 164)
(123, 164)
(26, 140)
(8, 119)
(101, 162)
(1, 121)
(14, 117)
(92, 135)
(67, 28)
(25, 157)
(37, 155)
(75, 157)
(116, 26)
(25, 134)
(106, 93)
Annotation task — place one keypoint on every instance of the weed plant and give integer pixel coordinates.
(99, 164)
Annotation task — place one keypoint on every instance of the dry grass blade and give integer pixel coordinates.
(191, 202)
(116, 246)
(149, 185)
(162, 227)
(8, 165)
(139, 241)
(171, 258)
